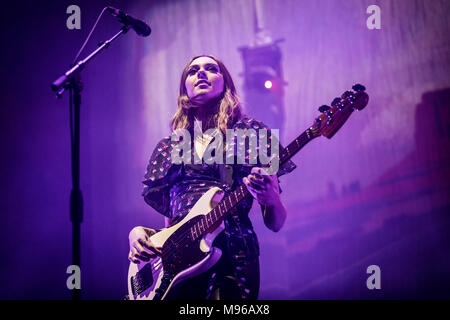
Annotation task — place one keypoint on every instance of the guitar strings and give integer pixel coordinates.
(183, 237)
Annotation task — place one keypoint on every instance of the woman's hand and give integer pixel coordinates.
(263, 187)
(141, 248)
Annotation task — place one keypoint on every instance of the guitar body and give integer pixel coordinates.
(181, 257)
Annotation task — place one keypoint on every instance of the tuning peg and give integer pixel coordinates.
(335, 101)
(347, 94)
(324, 108)
(358, 87)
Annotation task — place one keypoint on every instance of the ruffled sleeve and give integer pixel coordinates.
(159, 178)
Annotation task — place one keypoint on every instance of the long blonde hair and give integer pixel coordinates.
(228, 105)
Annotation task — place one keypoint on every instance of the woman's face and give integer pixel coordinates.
(204, 80)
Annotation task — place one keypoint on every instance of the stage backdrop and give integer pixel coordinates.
(375, 194)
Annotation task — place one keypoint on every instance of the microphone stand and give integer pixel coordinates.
(72, 80)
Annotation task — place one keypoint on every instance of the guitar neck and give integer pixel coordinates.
(215, 217)
(297, 144)
(327, 124)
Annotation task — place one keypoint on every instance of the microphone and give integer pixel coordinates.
(139, 26)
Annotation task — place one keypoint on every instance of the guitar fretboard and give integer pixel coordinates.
(296, 145)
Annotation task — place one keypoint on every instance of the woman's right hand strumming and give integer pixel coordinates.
(141, 248)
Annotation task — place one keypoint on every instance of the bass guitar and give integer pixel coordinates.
(186, 247)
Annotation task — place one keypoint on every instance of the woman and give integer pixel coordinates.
(208, 100)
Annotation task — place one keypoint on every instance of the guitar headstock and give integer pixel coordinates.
(334, 116)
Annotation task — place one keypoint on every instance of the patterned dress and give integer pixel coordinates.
(173, 189)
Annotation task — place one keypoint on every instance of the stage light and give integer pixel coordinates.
(268, 84)
(264, 84)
